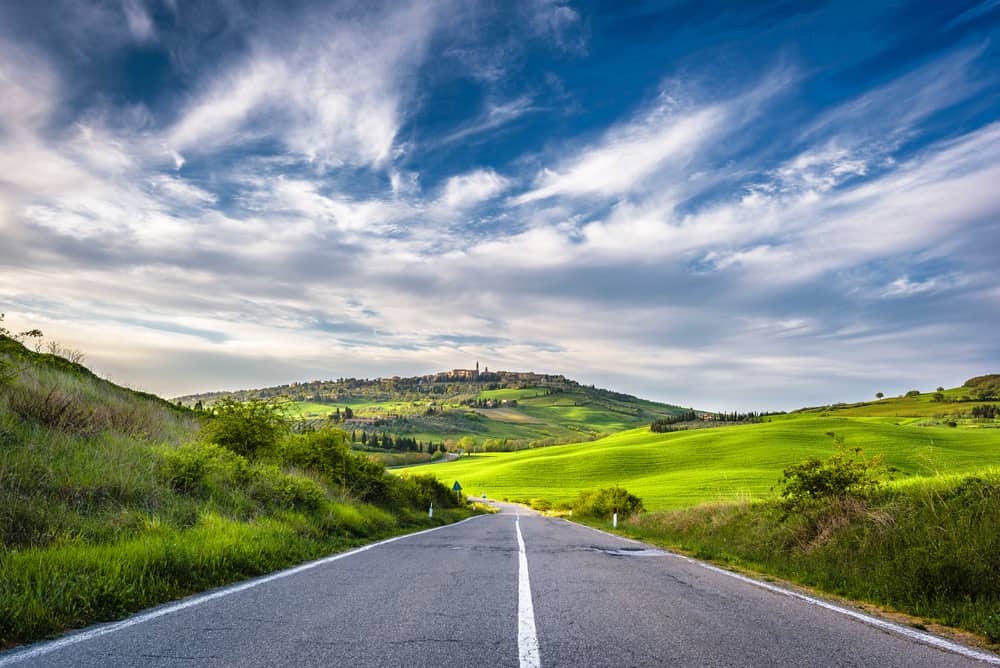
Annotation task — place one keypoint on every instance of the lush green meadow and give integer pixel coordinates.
(685, 468)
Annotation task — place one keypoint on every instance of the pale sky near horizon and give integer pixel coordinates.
(728, 205)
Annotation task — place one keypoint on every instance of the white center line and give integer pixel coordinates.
(527, 641)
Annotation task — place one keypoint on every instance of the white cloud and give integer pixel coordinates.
(469, 189)
(557, 22)
(333, 94)
(140, 24)
(903, 287)
(495, 115)
(629, 154)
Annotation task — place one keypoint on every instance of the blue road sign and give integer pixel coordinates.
(456, 487)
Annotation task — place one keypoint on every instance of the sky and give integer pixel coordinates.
(727, 205)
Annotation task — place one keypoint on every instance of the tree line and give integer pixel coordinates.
(666, 424)
(387, 441)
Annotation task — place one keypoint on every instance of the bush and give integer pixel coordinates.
(540, 504)
(197, 468)
(245, 427)
(325, 452)
(845, 474)
(270, 486)
(605, 501)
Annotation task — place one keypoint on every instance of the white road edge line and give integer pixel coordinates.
(527, 640)
(33, 651)
(891, 627)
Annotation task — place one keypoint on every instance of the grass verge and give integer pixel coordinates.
(45, 591)
(928, 548)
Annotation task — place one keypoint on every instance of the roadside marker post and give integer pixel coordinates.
(614, 521)
(430, 513)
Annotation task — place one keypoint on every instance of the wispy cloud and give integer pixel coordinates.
(334, 94)
(974, 12)
(495, 115)
(139, 23)
(903, 287)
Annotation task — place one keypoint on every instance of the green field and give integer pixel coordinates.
(923, 405)
(509, 394)
(685, 468)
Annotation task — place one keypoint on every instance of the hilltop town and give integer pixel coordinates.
(413, 388)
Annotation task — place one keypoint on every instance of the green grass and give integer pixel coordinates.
(685, 468)
(928, 547)
(512, 394)
(922, 405)
(110, 502)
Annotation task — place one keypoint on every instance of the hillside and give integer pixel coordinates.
(113, 500)
(468, 409)
(688, 467)
(942, 405)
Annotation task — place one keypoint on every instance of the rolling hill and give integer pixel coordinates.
(688, 467)
(488, 411)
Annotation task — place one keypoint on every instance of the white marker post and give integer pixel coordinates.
(614, 521)
(430, 513)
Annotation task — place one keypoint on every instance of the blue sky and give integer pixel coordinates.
(720, 204)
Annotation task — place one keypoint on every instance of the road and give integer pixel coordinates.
(512, 589)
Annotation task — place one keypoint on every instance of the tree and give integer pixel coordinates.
(879, 395)
(246, 427)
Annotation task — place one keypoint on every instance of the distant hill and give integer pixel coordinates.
(488, 410)
(954, 404)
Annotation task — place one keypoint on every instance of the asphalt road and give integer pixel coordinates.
(467, 595)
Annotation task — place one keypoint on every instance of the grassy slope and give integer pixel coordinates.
(684, 468)
(927, 548)
(923, 405)
(108, 503)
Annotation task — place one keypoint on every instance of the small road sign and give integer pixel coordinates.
(456, 487)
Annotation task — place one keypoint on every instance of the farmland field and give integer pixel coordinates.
(685, 468)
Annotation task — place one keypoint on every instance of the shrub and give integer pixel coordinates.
(847, 473)
(913, 393)
(426, 488)
(271, 486)
(246, 427)
(198, 467)
(605, 501)
(540, 504)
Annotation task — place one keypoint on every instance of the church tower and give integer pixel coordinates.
(477, 368)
